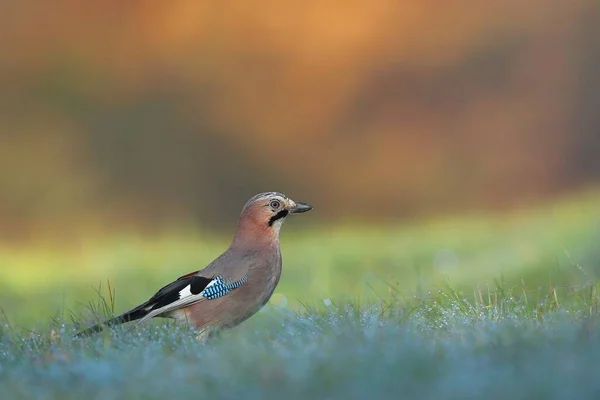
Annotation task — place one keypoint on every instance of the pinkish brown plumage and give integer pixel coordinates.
(236, 284)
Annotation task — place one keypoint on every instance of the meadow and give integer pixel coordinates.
(482, 305)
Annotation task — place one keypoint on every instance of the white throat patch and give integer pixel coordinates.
(277, 224)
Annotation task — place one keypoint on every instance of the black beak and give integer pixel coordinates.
(300, 208)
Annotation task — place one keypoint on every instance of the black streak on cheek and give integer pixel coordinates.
(279, 215)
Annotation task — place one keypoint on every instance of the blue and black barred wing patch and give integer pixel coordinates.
(182, 287)
(189, 291)
(219, 287)
(196, 289)
(192, 288)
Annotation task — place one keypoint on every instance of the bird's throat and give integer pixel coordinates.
(258, 236)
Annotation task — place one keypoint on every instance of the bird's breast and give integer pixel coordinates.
(242, 302)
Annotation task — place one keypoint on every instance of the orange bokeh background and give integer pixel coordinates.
(146, 114)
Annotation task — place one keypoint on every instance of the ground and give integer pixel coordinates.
(479, 306)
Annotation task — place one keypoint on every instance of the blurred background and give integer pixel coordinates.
(128, 127)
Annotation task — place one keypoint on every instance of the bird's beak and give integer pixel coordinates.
(299, 207)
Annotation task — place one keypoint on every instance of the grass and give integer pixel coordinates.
(541, 246)
(440, 346)
(495, 306)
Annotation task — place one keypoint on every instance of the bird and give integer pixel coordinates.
(235, 285)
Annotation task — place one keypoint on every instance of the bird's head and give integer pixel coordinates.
(262, 216)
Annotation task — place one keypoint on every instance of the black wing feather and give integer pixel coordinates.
(170, 293)
(165, 295)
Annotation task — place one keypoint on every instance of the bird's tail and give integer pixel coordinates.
(129, 316)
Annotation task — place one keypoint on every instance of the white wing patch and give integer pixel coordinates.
(218, 287)
(212, 283)
(185, 292)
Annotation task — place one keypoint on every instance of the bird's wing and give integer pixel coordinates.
(185, 291)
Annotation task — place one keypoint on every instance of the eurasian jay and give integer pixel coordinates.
(235, 285)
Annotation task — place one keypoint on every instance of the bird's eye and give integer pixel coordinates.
(275, 204)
